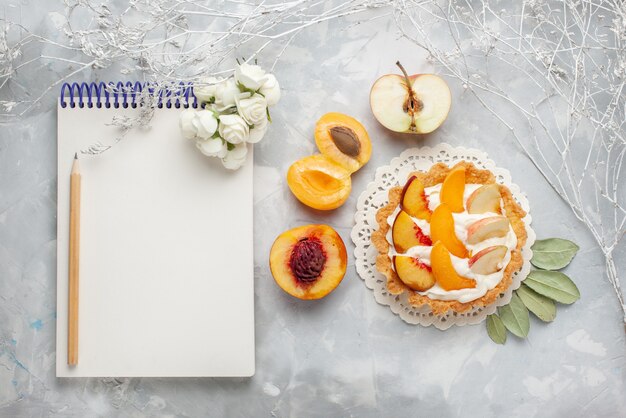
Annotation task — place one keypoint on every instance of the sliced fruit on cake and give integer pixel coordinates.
(442, 229)
(453, 188)
(491, 227)
(489, 260)
(444, 271)
(484, 199)
(406, 234)
(414, 201)
(413, 273)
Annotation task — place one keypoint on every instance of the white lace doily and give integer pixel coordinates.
(376, 196)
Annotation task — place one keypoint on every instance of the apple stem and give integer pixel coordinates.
(413, 104)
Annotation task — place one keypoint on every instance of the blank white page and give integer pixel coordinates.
(166, 253)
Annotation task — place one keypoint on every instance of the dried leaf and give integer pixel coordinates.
(515, 317)
(553, 284)
(541, 306)
(496, 329)
(553, 253)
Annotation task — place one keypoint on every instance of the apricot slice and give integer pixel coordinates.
(413, 273)
(442, 229)
(406, 234)
(319, 183)
(343, 140)
(444, 271)
(308, 262)
(414, 201)
(453, 188)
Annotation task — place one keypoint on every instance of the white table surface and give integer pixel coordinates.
(344, 355)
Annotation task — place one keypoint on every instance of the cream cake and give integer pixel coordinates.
(451, 238)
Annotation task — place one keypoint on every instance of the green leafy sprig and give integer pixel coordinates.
(539, 291)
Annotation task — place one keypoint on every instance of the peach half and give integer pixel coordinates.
(343, 140)
(414, 200)
(308, 262)
(319, 183)
(444, 271)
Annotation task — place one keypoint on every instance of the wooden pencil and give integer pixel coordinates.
(74, 258)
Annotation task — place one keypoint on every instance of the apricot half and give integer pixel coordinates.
(319, 183)
(344, 140)
(309, 261)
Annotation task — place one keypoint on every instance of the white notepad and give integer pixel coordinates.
(166, 253)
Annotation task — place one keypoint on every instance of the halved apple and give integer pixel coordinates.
(484, 199)
(488, 260)
(416, 104)
(444, 271)
(442, 229)
(492, 227)
(406, 234)
(414, 201)
(413, 273)
(453, 188)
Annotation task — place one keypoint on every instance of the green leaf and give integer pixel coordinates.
(553, 253)
(496, 329)
(541, 306)
(515, 317)
(230, 146)
(553, 284)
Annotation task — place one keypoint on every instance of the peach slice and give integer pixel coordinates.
(309, 261)
(414, 201)
(406, 234)
(484, 199)
(413, 273)
(319, 183)
(491, 227)
(343, 140)
(444, 271)
(488, 260)
(453, 188)
(442, 229)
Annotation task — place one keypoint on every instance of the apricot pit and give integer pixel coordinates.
(343, 140)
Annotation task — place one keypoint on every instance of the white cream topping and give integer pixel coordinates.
(484, 282)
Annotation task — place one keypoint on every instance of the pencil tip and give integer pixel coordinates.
(76, 156)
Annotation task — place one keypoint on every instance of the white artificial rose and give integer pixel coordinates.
(258, 131)
(186, 123)
(251, 76)
(233, 129)
(212, 147)
(271, 90)
(205, 124)
(236, 157)
(252, 109)
(225, 94)
(205, 90)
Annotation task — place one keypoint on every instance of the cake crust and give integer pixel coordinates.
(436, 175)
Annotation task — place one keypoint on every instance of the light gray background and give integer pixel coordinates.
(344, 355)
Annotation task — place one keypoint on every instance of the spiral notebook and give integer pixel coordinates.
(166, 246)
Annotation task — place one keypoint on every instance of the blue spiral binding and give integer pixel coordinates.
(124, 95)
